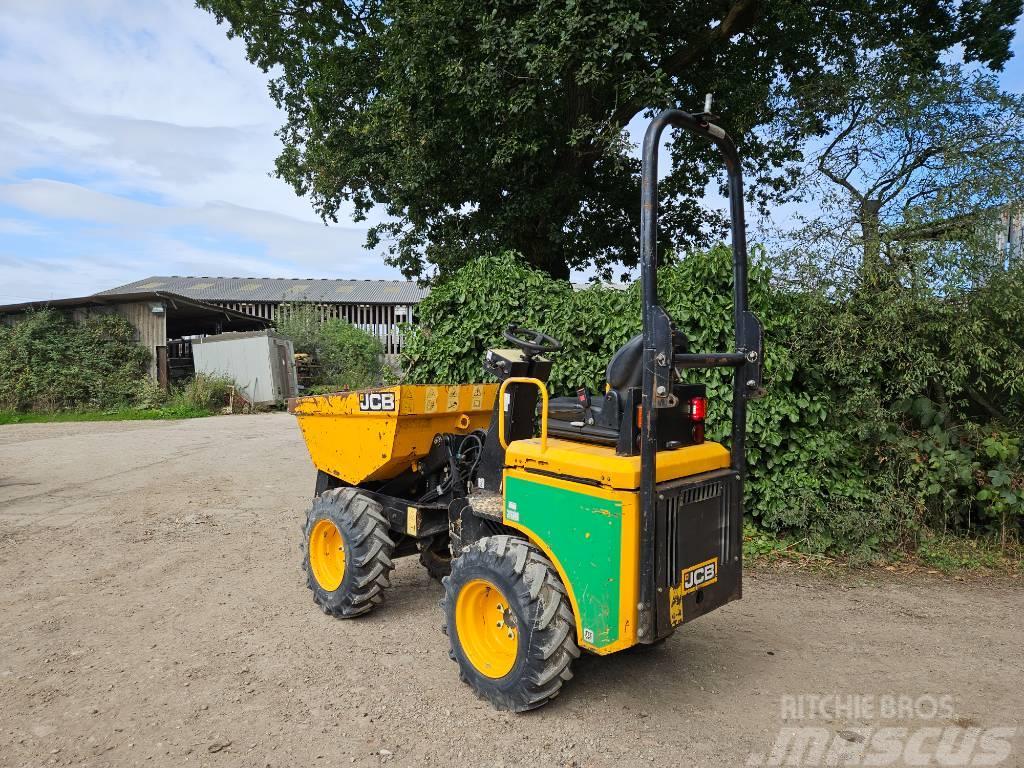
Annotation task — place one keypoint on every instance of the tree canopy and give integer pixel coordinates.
(482, 126)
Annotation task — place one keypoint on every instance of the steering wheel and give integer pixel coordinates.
(530, 341)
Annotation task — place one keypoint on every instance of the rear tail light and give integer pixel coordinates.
(698, 408)
(698, 412)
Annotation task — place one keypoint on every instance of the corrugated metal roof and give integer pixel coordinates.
(278, 289)
(179, 304)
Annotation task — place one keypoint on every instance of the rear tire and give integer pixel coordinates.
(509, 623)
(346, 552)
(436, 555)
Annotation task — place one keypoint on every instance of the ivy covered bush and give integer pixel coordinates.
(888, 413)
(48, 362)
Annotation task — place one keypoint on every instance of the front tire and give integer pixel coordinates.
(347, 552)
(509, 623)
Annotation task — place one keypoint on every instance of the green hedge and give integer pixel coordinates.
(48, 362)
(343, 355)
(849, 450)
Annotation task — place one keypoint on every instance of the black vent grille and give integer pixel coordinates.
(697, 525)
(699, 493)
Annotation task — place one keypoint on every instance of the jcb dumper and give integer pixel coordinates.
(614, 526)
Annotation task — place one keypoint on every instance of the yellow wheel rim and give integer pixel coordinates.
(327, 555)
(487, 628)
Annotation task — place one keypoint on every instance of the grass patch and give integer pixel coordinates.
(946, 554)
(764, 548)
(956, 553)
(202, 395)
(120, 414)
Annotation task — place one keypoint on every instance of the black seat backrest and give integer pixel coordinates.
(625, 369)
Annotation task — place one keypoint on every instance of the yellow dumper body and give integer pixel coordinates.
(376, 434)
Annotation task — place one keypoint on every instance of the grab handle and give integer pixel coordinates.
(543, 414)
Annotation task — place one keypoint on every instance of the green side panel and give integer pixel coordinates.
(584, 533)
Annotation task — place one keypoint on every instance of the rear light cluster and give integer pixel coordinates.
(698, 407)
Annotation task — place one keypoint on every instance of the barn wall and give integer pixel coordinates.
(151, 328)
(1010, 236)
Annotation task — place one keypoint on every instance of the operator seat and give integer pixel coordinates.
(624, 370)
(600, 420)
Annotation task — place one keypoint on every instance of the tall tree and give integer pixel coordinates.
(917, 165)
(476, 126)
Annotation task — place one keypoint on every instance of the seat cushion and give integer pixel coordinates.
(570, 409)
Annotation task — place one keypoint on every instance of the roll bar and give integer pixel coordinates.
(658, 357)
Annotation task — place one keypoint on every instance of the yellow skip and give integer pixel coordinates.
(375, 434)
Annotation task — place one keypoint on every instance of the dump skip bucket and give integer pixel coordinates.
(376, 434)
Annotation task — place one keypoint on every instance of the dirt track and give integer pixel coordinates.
(153, 612)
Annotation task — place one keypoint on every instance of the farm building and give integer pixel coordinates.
(164, 322)
(169, 313)
(376, 306)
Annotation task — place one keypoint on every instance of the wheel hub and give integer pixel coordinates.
(327, 555)
(487, 628)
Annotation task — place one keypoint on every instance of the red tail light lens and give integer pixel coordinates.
(698, 408)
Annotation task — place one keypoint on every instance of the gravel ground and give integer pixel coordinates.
(153, 612)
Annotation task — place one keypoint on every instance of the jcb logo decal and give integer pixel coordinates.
(693, 578)
(700, 575)
(377, 401)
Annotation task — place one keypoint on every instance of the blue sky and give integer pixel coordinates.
(135, 139)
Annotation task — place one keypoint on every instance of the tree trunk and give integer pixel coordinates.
(536, 238)
(871, 235)
(545, 256)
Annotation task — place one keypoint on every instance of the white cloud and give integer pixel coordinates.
(130, 102)
(303, 243)
(19, 227)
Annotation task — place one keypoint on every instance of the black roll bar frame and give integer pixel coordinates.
(658, 358)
